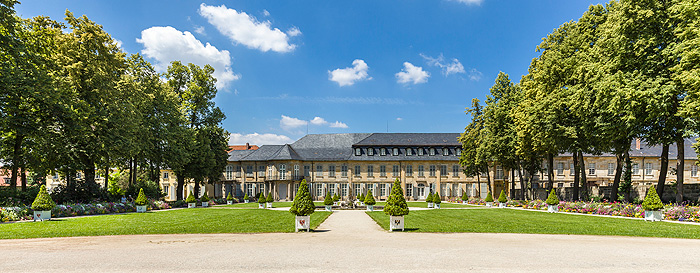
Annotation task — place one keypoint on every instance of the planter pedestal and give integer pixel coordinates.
(329, 208)
(653, 215)
(335, 203)
(370, 207)
(430, 205)
(42, 215)
(553, 208)
(302, 222)
(269, 205)
(261, 205)
(489, 204)
(437, 206)
(140, 208)
(191, 205)
(205, 204)
(501, 205)
(395, 223)
(246, 201)
(229, 202)
(464, 202)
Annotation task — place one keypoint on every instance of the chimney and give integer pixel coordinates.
(247, 146)
(638, 143)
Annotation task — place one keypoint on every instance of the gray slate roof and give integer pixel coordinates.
(237, 155)
(411, 139)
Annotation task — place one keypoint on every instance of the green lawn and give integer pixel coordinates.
(521, 221)
(199, 220)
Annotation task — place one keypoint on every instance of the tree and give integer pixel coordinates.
(396, 204)
(43, 201)
(141, 199)
(429, 199)
(475, 158)
(328, 201)
(502, 197)
(302, 204)
(369, 199)
(552, 199)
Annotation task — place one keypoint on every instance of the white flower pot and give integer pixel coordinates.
(395, 223)
(42, 215)
(362, 203)
(191, 205)
(261, 205)
(302, 222)
(335, 203)
(229, 202)
(370, 207)
(437, 206)
(269, 205)
(246, 201)
(329, 208)
(205, 204)
(430, 205)
(553, 208)
(140, 208)
(464, 202)
(501, 205)
(653, 215)
(489, 204)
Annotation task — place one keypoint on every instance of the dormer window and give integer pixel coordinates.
(420, 151)
(459, 151)
(395, 151)
(382, 151)
(445, 151)
(432, 151)
(409, 151)
(358, 152)
(370, 151)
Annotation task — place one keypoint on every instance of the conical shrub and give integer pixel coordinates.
(502, 197)
(204, 198)
(429, 199)
(43, 201)
(436, 198)
(552, 199)
(652, 200)
(489, 197)
(269, 198)
(302, 204)
(465, 197)
(141, 200)
(190, 199)
(369, 198)
(328, 200)
(229, 197)
(396, 205)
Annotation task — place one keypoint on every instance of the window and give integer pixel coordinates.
(283, 171)
(344, 189)
(432, 151)
(249, 187)
(319, 170)
(331, 170)
(344, 171)
(409, 189)
(261, 171)
(370, 187)
(358, 151)
(382, 189)
(443, 170)
(560, 185)
(382, 170)
(165, 189)
(55, 176)
(591, 168)
(409, 170)
(166, 175)
(229, 173)
(319, 189)
(432, 170)
(331, 189)
(560, 168)
(395, 171)
(296, 188)
(421, 170)
(421, 191)
(571, 169)
(611, 169)
(459, 151)
(647, 168)
(694, 170)
(455, 170)
(237, 171)
(499, 172)
(445, 151)
(358, 189)
(307, 171)
(296, 172)
(370, 171)
(395, 151)
(370, 151)
(635, 168)
(270, 171)
(249, 171)
(409, 151)
(420, 151)
(357, 170)
(382, 151)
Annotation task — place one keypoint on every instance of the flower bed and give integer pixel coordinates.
(67, 210)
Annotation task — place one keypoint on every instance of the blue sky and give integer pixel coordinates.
(285, 67)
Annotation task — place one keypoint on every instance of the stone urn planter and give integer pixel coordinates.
(229, 202)
(396, 223)
(246, 201)
(431, 205)
(205, 204)
(329, 208)
(464, 202)
(437, 206)
(653, 215)
(370, 207)
(268, 205)
(261, 205)
(652, 206)
(191, 205)
(489, 204)
(141, 209)
(553, 208)
(335, 203)
(141, 202)
(302, 222)
(42, 215)
(501, 205)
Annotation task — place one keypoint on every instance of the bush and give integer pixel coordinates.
(436, 198)
(245, 197)
(229, 197)
(358, 198)
(429, 199)
(361, 198)
(502, 197)
(16, 198)
(79, 192)
(190, 199)
(336, 198)
(269, 198)
(302, 204)
(43, 201)
(552, 199)
(396, 205)
(141, 200)
(369, 199)
(328, 200)
(489, 198)
(465, 197)
(204, 198)
(261, 198)
(651, 200)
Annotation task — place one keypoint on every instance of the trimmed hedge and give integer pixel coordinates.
(190, 199)
(246, 197)
(436, 198)
(261, 198)
(465, 197)
(489, 197)
(502, 197)
(429, 199)
(361, 198)
(369, 198)
(269, 198)
(43, 200)
(302, 204)
(204, 198)
(651, 200)
(141, 200)
(229, 197)
(552, 199)
(336, 198)
(396, 205)
(328, 200)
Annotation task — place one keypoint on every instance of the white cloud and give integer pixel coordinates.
(258, 139)
(475, 75)
(266, 13)
(289, 123)
(349, 75)
(199, 30)
(338, 124)
(245, 29)
(450, 68)
(399, 119)
(412, 74)
(119, 43)
(294, 31)
(470, 2)
(166, 44)
(318, 121)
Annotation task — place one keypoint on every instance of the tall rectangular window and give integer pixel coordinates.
(560, 168)
(611, 169)
(358, 188)
(370, 151)
(694, 170)
(421, 170)
(166, 175)
(635, 168)
(420, 151)
(647, 168)
(382, 151)
(571, 169)
(445, 151)
(307, 171)
(455, 170)
(229, 173)
(382, 170)
(331, 189)
(432, 170)
(395, 171)
(370, 171)
(409, 170)
(261, 171)
(443, 170)
(344, 171)
(499, 172)
(283, 171)
(249, 171)
(382, 189)
(357, 170)
(409, 151)
(409, 189)
(344, 189)
(591, 168)
(319, 189)
(432, 151)
(331, 170)
(296, 172)
(370, 187)
(319, 170)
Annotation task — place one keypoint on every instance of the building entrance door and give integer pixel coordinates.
(421, 191)
(282, 191)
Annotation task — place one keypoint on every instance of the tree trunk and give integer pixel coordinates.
(24, 179)
(16, 155)
(478, 181)
(488, 179)
(550, 172)
(90, 174)
(680, 168)
(574, 197)
(584, 184)
(663, 171)
(512, 184)
(616, 181)
(180, 186)
(196, 188)
(522, 184)
(628, 167)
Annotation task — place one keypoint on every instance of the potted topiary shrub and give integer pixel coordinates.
(502, 199)
(489, 200)
(369, 201)
(302, 207)
(229, 199)
(141, 201)
(396, 207)
(652, 206)
(361, 199)
(328, 202)
(191, 201)
(246, 198)
(205, 200)
(336, 198)
(465, 198)
(42, 205)
(261, 201)
(429, 200)
(269, 200)
(552, 202)
(436, 200)
(357, 200)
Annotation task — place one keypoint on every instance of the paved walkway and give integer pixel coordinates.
(349, 241)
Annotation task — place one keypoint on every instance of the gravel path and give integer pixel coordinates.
(349, 241)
